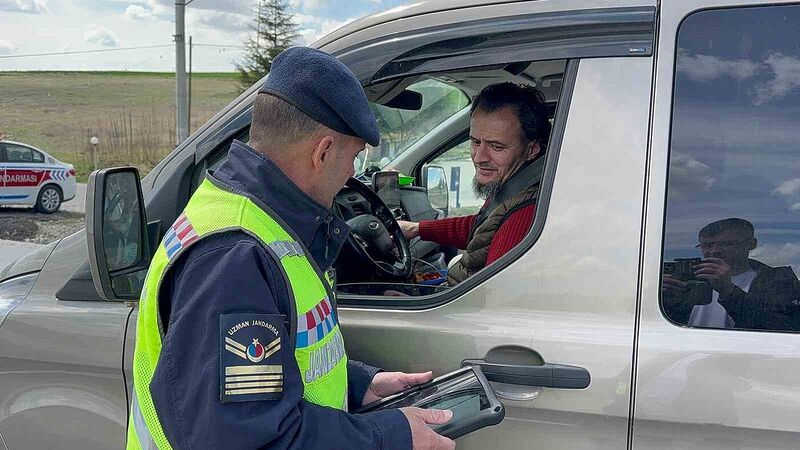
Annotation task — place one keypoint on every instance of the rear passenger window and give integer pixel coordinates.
(37, 157)
(732, 231)
(18, 154)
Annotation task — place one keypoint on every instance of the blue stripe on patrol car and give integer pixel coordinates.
(13, 197)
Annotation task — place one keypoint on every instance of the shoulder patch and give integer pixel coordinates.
(251, 362)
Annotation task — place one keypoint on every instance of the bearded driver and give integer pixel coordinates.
(509, 131)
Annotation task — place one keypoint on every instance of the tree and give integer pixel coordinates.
(274, 32)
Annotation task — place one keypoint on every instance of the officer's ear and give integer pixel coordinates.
(324, 151)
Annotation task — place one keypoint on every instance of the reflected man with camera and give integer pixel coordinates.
(727, 289)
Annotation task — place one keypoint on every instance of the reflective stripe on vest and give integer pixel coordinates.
(318, 342)
(139, 426)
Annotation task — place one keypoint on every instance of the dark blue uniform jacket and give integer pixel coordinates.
(232, 273)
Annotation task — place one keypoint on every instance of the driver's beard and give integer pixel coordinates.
(487, 190)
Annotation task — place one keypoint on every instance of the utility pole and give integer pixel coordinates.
(258, 24)
(181, 116)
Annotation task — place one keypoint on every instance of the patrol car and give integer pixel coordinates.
(667, 116)
(30, 176)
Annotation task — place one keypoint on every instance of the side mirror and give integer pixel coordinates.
(116, 231)
(438, 190)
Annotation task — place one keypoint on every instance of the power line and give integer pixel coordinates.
(106, 50)
(220, 46)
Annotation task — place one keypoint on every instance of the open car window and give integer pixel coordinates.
(435, 133)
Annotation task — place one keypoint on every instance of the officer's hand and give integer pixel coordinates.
(410, 229)
(422, 437)
(388, 383)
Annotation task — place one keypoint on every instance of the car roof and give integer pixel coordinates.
(6, 141)
(419, 8)
(402, 12)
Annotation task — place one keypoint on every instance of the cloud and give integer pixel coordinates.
(100, 35)
(312, 27)
(162, 8)
(707, 68)
(24, 6)
(231, 6)
(778, 254)
(688, 175)
(231, 22)
(787, 78)
(6, 48)
(138, 12)
(789, 187)
(785, 72)
(309, 5)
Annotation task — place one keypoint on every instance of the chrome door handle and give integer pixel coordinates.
(557, 376)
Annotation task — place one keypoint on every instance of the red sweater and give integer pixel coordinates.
(455, 232)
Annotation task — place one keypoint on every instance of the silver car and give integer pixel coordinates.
(667, 117)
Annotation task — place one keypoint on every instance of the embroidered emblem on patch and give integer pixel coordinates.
(251, 363)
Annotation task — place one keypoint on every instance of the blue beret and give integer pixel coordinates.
(325, 89)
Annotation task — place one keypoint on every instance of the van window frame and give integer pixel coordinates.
(446, 296)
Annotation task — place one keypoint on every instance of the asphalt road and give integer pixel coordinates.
(77, 204)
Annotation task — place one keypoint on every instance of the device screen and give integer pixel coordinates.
(464, 395)
(387, 186)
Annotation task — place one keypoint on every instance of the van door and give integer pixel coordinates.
(567, 294)
(718, 348)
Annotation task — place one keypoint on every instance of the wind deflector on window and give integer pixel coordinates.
(567, 34)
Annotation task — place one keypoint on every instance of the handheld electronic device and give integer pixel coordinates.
(466, 392)
(387, 186)
(682, 268)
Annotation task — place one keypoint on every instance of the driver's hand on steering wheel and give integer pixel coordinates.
(410, 229)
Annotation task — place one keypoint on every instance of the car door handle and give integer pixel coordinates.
(557, 376)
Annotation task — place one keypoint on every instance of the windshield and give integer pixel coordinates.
(400, 129)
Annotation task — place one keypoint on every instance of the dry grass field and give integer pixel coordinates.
(133, 114)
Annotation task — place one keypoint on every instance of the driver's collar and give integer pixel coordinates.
(320, 231)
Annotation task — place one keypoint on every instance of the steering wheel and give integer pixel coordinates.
(378, 234)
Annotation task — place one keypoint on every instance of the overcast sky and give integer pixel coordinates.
(45, 26)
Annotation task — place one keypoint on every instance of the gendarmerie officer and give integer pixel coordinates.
(238, 342)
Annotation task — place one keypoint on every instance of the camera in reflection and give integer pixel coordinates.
(682, 268)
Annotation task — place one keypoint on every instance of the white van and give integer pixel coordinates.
(667, 117)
